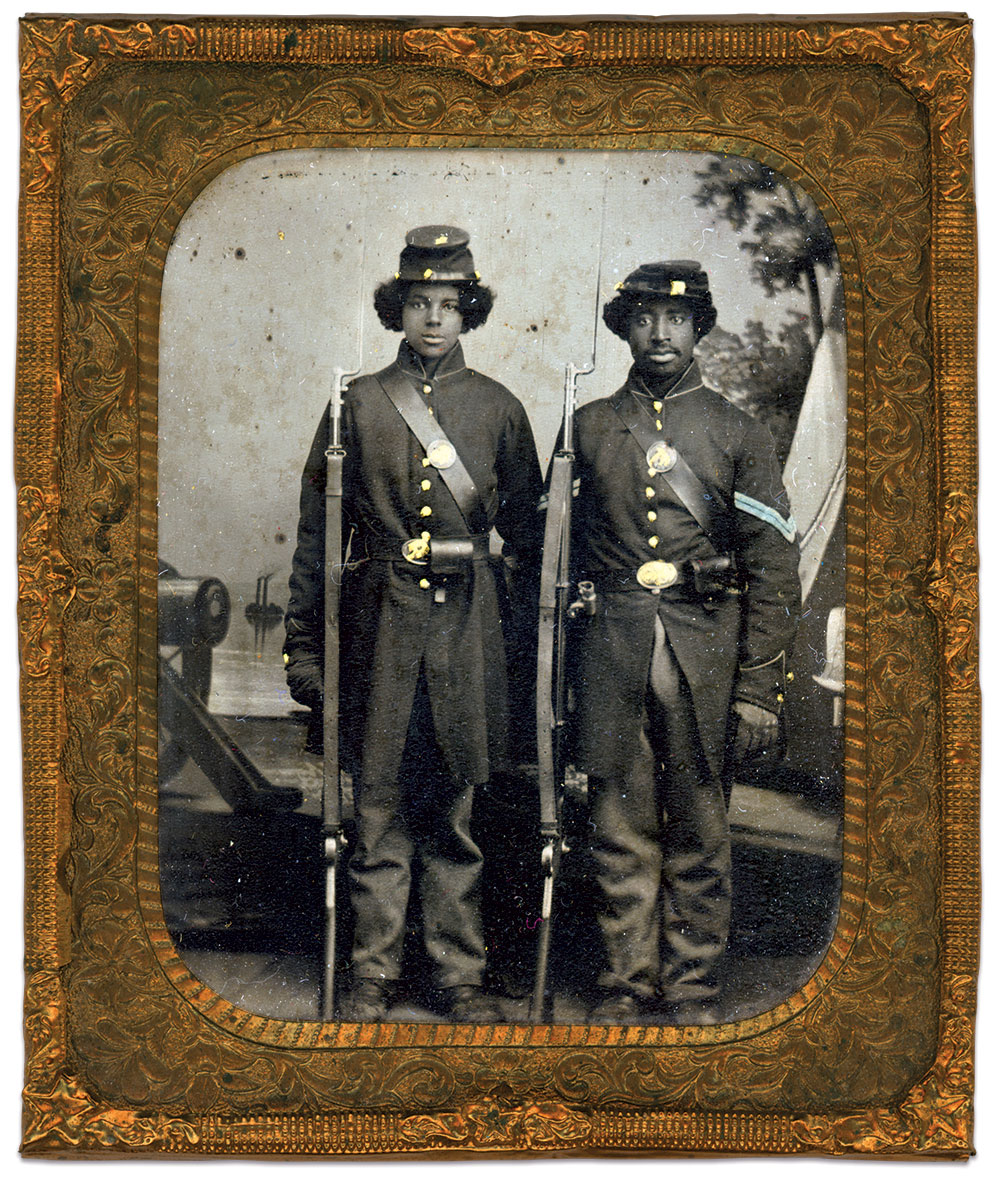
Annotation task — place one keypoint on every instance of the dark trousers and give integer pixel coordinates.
(417, 829)
(662, 852)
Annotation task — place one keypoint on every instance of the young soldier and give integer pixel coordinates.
(436, 456)
(683, 525)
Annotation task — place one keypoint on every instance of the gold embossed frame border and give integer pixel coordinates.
(123, 123)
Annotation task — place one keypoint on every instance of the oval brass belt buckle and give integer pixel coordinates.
(441, 454)
(415, 551)
(657, 574)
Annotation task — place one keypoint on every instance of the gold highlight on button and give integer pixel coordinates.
(424, 582)
(659, 425)
(425, 512)
(650, 492)
(425, 484)
(427, 388)
(651, 515)
(657, 405)
(654, 540)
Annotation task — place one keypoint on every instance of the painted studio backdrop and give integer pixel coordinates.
(267, 288)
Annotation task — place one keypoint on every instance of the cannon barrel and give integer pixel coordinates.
(193, 611)
(194, 614)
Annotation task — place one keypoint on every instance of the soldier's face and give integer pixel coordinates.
(432, 320)
(661, 337)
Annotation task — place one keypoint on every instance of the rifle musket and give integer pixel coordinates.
(551, 669)
(335, 837)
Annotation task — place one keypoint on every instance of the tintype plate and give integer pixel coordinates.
(165, 400)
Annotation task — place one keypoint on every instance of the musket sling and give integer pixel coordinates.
(555, 539)
(427, 430)
(693, 495)
(332, 806)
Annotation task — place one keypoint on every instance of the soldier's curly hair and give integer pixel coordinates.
(475, 301)
(618, 311)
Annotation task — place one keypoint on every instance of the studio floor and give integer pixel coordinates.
(242, 893)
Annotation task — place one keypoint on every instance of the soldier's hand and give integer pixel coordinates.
(756, 731)
(305, 681)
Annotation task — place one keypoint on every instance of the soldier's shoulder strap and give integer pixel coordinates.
(439, 449)
(697, 499)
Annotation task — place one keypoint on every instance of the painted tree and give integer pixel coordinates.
(764, 375)
(791, 239)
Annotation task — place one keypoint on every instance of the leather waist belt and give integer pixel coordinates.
(690, 580)
(627, 580)
(441, 555)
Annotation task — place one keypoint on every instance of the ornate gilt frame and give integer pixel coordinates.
(126, 1051)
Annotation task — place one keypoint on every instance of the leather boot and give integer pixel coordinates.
(368, 1002)
(468, 1006)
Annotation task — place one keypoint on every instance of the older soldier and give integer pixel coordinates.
(683, 525)
(437, 455)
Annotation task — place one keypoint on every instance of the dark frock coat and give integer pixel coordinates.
(730, 650)
(390, 626)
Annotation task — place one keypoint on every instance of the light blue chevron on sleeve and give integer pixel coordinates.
(785, 526)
